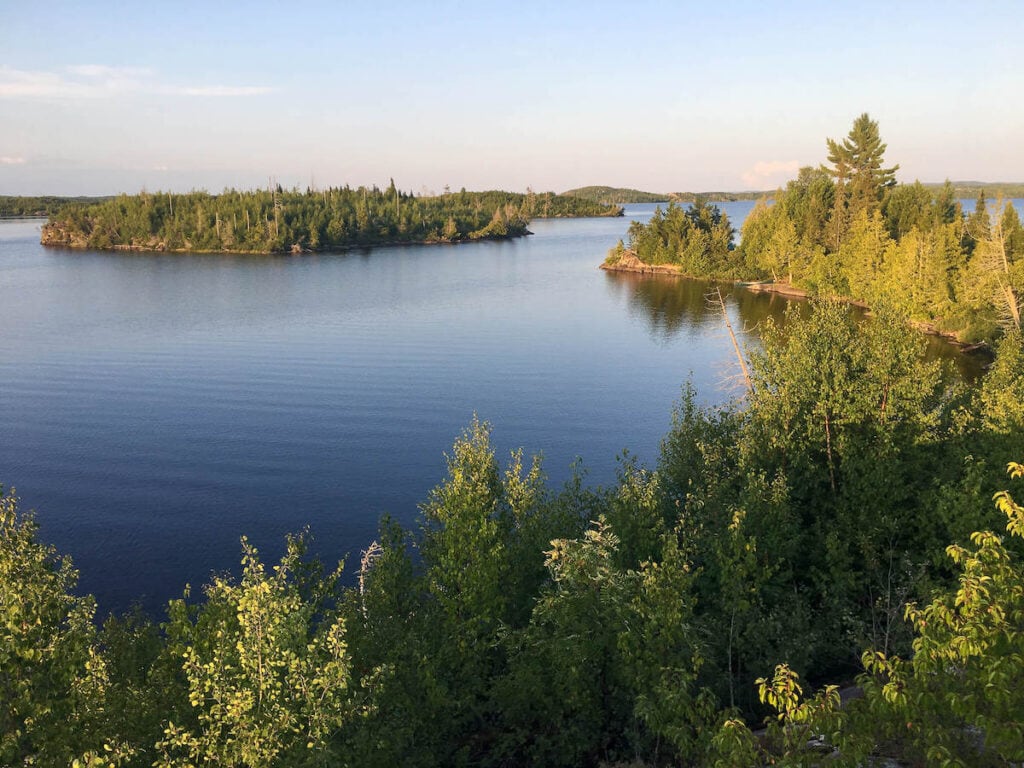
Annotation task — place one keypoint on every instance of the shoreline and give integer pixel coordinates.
(294, 250)
(630, 263)
(50, 238)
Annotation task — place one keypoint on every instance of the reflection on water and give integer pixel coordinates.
(668, 305)
(671, 305)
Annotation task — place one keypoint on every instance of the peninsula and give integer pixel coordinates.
(848, 230)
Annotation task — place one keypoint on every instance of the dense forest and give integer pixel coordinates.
(846, 229)
(277, 220)
(836, 524)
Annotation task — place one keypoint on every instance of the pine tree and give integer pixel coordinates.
(861, 180)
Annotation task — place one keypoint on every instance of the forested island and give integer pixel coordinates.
(846, 229)
(837, 525)
(277, 220)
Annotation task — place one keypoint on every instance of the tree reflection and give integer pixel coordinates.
(672, 306)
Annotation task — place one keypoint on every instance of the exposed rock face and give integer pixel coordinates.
(783, 288)
(54, 234)
(630, 262)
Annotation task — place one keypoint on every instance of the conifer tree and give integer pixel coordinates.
(861, 180)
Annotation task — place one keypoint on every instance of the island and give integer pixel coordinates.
(276, 220)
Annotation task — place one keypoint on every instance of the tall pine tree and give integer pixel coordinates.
(860, 178)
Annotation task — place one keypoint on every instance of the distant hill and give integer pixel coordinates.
(616, 195)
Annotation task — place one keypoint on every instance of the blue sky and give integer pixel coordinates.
(103, 97)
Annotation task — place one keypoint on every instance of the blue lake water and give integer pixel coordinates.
(156, 407)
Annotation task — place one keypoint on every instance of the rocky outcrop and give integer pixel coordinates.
(54, 234)
(630, 262)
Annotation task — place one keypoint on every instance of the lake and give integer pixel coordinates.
(156, 407)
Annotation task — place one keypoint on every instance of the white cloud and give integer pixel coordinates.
(221, 90)
(84, 82)
(102, 70)
(768, 174)
(91, 81)
(8, 160)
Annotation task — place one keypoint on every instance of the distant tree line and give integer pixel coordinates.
(714, 197)
(991, 189)
(794, 540)
(620, 195)
(278, 220)
(40, 206)
(616, 195)
(847, 229)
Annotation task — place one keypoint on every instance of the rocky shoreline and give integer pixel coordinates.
(54, 236)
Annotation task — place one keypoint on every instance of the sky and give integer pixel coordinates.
(106, 97)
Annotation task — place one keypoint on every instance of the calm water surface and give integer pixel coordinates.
(154, 408)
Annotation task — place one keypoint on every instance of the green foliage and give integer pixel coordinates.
(444, 628)
(960, 695)
(848, 413)
(389, 628)
(996, 266)
(811, 516)
(664, 652)
(52, 679)
(565, 697)
(770, 243)
(145, 686)
(266, 665)
(277, 220)
(635, 514)
(849, 231)
(465, 534)
(857, 168)
(1001, 395)
(698, 240)
(825, 385)
(861, 257)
